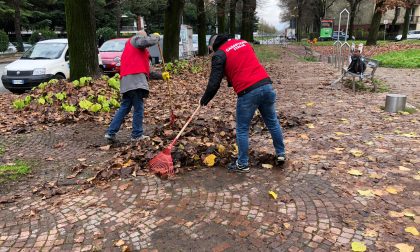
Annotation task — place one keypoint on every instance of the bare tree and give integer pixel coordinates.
(221, 15)
(201, 27)
(354, 8)
(248, 17)
(173, 13)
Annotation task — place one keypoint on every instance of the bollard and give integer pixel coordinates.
(329, 59)
(395, 102)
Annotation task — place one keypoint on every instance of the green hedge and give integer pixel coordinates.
(4, 41)
(43, 34)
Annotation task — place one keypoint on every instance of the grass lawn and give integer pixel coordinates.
(400, 59)
(380, 42)
(267, 53)
(13, 171)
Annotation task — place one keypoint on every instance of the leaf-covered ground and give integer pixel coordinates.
(352, 179)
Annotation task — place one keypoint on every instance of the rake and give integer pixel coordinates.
(162, 163)
(172, 116)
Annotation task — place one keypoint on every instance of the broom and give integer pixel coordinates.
(162, 163)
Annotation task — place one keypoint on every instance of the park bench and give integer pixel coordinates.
(371, 66)
(312, 53)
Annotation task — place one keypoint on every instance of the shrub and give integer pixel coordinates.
(4, 41)
(107, 33)
(42, 35)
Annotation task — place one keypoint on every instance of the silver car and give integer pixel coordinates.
(414, 34)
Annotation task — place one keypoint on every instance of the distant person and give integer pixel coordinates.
(134, 72)
(236, 60)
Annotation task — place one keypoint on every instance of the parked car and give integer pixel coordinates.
(11, 49)
(339, 35)
(26, 46)
(48, 59)
(414, 34)
(110, 53)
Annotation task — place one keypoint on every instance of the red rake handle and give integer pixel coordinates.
(186, 124)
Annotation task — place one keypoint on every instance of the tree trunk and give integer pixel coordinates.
(394, 21)
(201, 27)
(16, 5)
(80, 21)
(374, 26)
(221, 15)
(406, 23)
(118, 18)
(248, 11)
(353, 9)
(172, 26)
(232, 17)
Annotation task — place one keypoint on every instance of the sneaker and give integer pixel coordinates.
(236, 167)
(109, 137)
(280, 159)
(140, 138)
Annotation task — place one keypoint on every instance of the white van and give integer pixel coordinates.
(48, 59)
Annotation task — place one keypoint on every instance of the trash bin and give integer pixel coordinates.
(395, 102)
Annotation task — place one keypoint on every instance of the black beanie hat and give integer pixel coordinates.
(219, 41)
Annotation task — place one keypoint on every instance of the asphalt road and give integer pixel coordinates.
(2, 89)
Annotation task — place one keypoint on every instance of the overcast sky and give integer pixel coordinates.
(269, 11)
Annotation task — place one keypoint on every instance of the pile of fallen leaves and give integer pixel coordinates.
(60, 101)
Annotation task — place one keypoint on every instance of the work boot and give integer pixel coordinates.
(110, 138)
(236, 167)
(140, 138)
(280, 160)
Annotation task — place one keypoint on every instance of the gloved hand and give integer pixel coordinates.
(166, 76)
(203, 102)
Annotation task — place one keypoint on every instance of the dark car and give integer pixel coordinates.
(339, 35)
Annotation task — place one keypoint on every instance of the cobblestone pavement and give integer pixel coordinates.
(208, 209)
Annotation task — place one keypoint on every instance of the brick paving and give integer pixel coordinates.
(208, 209)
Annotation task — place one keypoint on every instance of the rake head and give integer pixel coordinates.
(162, 164)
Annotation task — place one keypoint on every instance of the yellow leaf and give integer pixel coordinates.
(356, 152)
(344, 120)
(403, 113)
(310, 104)
(286, 225)
(393, 190)
(304, 136)
(409, 214)
(267, 166)
(358, 246)
(119, 243)
(412, 230)
(370, 233)
(404, 247)
(355, 172)
(339, 149)
(367, 193)
(402, 168)
(411, 134)
(235, 149)
(310, 126)
(416, 177)
(375, 176)
(221, 149)
(395, 214)
(129, 163)
(378, 192)
(340, 134)
(272, 194)
(210, 160)
(370, 143)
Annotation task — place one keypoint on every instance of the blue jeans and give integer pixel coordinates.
(132, 98)
(263, 99)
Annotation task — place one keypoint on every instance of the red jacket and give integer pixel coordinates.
(134, 61)
(242, 67)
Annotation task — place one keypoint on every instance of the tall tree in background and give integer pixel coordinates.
(409, 4)
(248, 17)
(354, 8)
(172, 28)
(232, 17)
(221, 15)
(380, 8)
(16, 6)
(201, 28)
(80, 20)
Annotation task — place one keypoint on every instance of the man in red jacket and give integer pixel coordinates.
(135, 73)
(236, 60)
